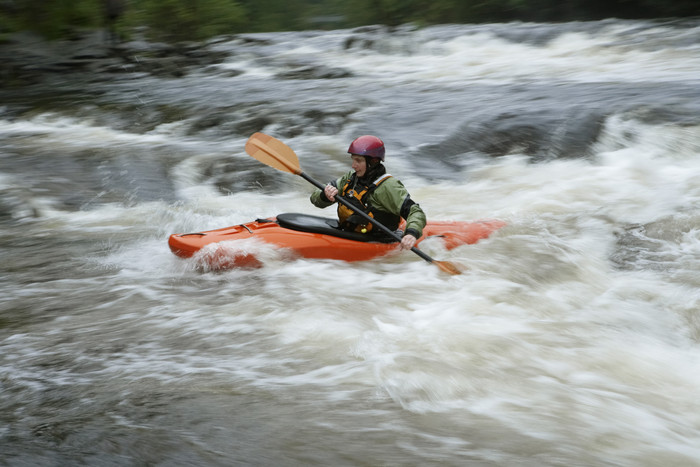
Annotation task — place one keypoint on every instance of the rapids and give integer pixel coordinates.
(572, 338)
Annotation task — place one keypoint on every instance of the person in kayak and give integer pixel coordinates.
(372, 190)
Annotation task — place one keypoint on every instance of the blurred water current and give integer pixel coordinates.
(573, 338)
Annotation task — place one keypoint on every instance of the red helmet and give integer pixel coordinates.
(369, 146)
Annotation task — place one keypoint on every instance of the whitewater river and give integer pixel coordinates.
(571, 339)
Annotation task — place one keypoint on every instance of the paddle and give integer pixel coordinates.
(275, 153)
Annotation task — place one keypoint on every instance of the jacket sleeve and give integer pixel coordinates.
(391, 196)
(416, 220)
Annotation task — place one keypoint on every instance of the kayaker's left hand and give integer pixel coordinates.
(407, 242)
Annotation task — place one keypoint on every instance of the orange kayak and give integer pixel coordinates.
(318, 237)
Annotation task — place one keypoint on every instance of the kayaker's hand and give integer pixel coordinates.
(330, 191)
(407, 242)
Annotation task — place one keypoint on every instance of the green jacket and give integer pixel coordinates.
(390, 196)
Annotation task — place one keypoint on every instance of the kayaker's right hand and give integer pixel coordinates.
(330, 191)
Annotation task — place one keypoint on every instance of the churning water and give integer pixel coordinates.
(572, 339)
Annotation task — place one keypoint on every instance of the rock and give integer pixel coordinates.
(315, 72)
(27, 57)
(540, 135)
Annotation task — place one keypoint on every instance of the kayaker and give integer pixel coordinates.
(377, 193)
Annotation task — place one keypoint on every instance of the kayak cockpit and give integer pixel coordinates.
(324, 226)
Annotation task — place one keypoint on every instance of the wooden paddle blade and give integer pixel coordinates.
(449, 268)
(273, 152)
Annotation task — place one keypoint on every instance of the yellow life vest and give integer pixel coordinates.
(358, 197)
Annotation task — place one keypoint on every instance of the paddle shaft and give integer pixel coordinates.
(366, 216)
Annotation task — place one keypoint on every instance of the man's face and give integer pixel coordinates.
(359, 165)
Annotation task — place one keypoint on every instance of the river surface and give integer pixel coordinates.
(571, 339)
